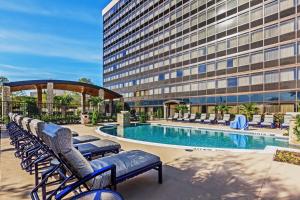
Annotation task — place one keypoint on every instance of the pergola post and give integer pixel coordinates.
(39, 97)
(110, 106)
(6, 101)
(83, 102)
(101, 95)
(50, 98)
(165, 111)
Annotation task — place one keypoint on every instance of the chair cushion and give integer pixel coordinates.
(84, 138)
(35, 126)
(266, 123)
(98, 146)
(221, 121)
(253, 123)
(125, 162)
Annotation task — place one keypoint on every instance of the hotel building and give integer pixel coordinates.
(203, 53)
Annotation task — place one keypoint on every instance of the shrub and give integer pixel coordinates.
(297, 127)
(143, 117)
(94, 117)
(159, 113)
(288, 157)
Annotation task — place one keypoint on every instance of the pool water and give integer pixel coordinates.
(194, 137)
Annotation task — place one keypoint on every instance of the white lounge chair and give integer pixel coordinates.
(255, 121)
(211, 119)
(185, 116)
(225, 120)
(192, 118)
(268, 121)
(202, 118)
(286, 121)
(176, 115)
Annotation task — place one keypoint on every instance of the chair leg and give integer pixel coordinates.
(160, 179)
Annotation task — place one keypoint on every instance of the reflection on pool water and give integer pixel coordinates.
(194, 137)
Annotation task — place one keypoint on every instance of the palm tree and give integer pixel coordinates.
(222, 109)
(249, 109)
(96, 102)
(63, 101)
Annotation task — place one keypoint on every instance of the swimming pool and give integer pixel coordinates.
(194, 137)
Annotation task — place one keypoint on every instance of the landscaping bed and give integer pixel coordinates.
(287, 157)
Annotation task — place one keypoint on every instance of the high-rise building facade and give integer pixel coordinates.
(204, 53)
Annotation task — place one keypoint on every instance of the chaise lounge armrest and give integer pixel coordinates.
(73, 186)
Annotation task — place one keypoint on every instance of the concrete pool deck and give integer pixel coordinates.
(188, 175)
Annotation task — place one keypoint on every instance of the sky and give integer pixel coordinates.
(51, 39)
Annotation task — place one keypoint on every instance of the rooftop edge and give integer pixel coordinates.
(109, 6)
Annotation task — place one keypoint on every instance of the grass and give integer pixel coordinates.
(287, 157)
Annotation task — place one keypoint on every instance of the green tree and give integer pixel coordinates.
(63, 102)
(96, 102)
(119, 106)
(222, 109)
(249, 109)
(85, 80)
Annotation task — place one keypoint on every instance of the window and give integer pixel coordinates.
(271, 31)
(187, 72)
(256, 36)
(231, 23)
(211, 84)
(211, 13)
(161, 77)
(257, 57)
(179, 73)
(194, 86)
(231, 4)
(287, 27)
(271, 77)
(232, 42)
(229, 63)
(271, 54)
(202, 69)
(243, 39)
(287, 75)
(173, 74)
(285, 4)
(221, 8)
(202, 85)
(232, 82)
(287, 51)
(166, 90)
(257, 79)
(221, 46)
(242, 2)
(211, 49)
(202, 34)
(244, 81)
(210, 31)
(271, 8)
(222, 83)
(243, 18)
(256, 14)
(210, 67)
(202, 51)
(221, 65)
(186, 87)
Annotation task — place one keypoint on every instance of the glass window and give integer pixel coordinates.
(272, 77)
(285, 4)
(221, 46)
(232, 99)
(271, 54)
(221, 8)
(243, 98)
(271, 97)
(202, 85)
(244, 60)
(211, 49)
(161, 77)
(194, 86)
(231, 23)
(271, 8)
(231, 4)
(256, 97)
(257, 79)
(287, 27)
(187, 72)
(211, 84)
(229, 62)
(287, 51)
(202, 34)
(211, 13)
(222, 83)
(221, 65)
(257, 36)
(179, 73)
(287, 75)
(242, 2)
(244, 39)
(271, 31)
(256, 14)
(244, 81)
(243, 18)
(257, 57)
(202, 68)
(287, 96)
(210, 67)
(211, 100)
(211, 31)
(232, 82)
(231, 42)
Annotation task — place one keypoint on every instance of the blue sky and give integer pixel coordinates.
(51, 39)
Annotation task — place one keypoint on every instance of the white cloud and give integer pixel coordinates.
(43, 9)
(12, 41)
